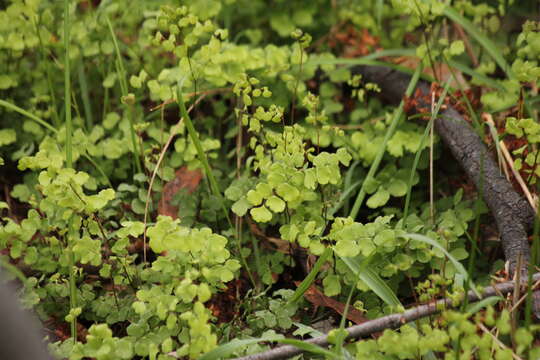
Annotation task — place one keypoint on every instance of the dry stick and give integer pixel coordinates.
(467, 43)
(160, 159)
(497, 341)
(512, 213)
(510, 161)
(188, 95)
(517, 175)
(431, 141)
(502, 164)
(524, 297)
(515, 298)
(392, 321)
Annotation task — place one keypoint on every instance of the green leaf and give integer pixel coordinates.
(97, 202)
(261, 214)
(225, 350)
(281, 23)
(88, 250)
(275, 204)
(310, 178)
(457, 47)
(371, 185)
(385, 238)
(303, 17)
(512, 127)
(397, 188)
(21, 192)
(7, 81)
(110, 80)
(378, 199)
(347, 247)
(503, 322)
(523, 337)
(332, 285)
(110, 121)
(287, 192)
(344, 156)
(123, 349)
(31, 255)
(254, 197)
(238, 188)
(7, 136)
(459, 253)
(241, 206)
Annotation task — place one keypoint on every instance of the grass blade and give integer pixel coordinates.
(475, 74)
(30, 116)
(225, 350)
(419, 152)
(372, 280)
(87, 106)
(476, 307)
(344, 196)
(306, 283)
(375, 165)
(459, 267)
(201, 154)
(69, 164)
(49, 127)
(484, 41)
(122, 76)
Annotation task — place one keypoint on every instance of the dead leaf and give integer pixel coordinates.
(317, 298)
(184, 179)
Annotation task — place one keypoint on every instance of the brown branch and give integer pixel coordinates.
(392, 321)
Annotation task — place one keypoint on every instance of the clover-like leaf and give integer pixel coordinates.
(7, 136)
(344, 156)
(371, 185)
(332, 285)
(397, 187)
(287, 192)
(254, 197)
(261, 214)
(310, 179)
(275, 204)
(378, 199)
(241, 206)
(347, 248)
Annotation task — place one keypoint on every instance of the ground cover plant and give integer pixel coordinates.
(325, 179)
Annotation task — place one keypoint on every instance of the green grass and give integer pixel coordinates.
(380, 153)
(69, 164)
(419, 152)
(122, 76)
